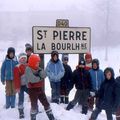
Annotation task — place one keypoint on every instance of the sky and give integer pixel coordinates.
(25, 5)
(33, 5)
(81, 13)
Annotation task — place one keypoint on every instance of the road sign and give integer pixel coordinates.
(64, 40)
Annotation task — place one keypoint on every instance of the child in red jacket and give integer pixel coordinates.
(35, 75)
(20, 82)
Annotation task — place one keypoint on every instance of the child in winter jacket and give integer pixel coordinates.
(97, 77)
(66, 81)
(88, 61)
(118, 109)
(28, 50)
(108, 96)
(55, 71)
(7, 77)
(20, 82)
(81, 79)
(35, 76)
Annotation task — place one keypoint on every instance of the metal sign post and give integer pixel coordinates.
(63, 23)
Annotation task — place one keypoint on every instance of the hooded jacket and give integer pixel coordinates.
(81, 78)
(108, 96)
(66, 80)
(8, 68)
(34, 75)
(19, 76)
(55, 70)
(97, 77)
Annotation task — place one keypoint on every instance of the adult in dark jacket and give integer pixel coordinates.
(108, 97)
(118, 110)
(81, 79)
(66, 84)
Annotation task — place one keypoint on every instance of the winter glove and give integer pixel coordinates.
(36, 73)
(17, 90)
(92, 94)
(42, 73)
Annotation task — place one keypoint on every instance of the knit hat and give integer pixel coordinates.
(88, 56)
(28, 47)
(81, 61)
(10, 50)
(65, 57)
(21, 55)
(33, 60)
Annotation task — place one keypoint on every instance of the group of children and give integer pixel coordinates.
(93, 86)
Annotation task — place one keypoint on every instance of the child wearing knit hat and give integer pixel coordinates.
(20, 82)
(35, 76)
(7, 76)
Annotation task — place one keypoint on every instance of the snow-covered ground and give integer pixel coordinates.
(59, 110)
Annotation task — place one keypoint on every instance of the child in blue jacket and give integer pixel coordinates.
(55, 71)
(97, 77)
(7, 77)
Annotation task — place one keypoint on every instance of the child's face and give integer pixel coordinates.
(95, 66)
(108, 75)
(11, 55)
(55, 57)
(89, 60)
(37, 65)
(65, 61)
(28, 52)
(23, 60)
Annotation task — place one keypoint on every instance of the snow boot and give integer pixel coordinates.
(118, 114)
(13, 97)
(55, 101)
(21, 113)
(7, 102)
(62, 100)
(50, 115)
(70, 106)
(90, 119)
(66, 99)
(33, 116)
(84, 110)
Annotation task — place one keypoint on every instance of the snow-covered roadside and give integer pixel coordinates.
(59, 110)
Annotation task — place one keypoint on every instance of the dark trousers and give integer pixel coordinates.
(91, 102)
(64, 91)
(97, 111)
(82, 96)
(35, 95)
(55, 86)
(21, 96)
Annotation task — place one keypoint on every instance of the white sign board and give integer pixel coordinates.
(64, 40)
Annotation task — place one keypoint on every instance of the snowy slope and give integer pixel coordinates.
(59, 110)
